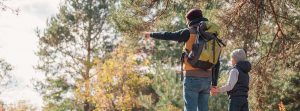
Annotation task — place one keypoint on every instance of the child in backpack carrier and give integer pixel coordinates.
(237, 85)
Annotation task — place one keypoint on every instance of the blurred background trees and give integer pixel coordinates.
(74, 38)
(5, 7)
(94, 55)
(20, 105)
(5, 74)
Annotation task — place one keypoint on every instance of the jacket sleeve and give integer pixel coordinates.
(232, 80)
(180, 36)
(215, 74)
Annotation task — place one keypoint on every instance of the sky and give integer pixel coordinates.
(18, 43)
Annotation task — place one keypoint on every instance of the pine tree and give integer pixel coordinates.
(73, 39)
(269, 32)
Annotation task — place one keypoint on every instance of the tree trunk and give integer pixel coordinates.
(87, 104)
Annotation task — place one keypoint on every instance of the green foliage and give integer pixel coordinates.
(285, 89)
(66, 104)
(290, 91)
(167, 90)
(218, 103)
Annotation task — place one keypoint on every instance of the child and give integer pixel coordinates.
(238, 82)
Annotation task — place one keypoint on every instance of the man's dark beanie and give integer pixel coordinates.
(193, 14)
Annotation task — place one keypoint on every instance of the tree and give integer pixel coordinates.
(119, 82)
(68, 47)
(269, 32)
(290, 94)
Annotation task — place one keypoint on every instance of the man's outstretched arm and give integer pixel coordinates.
(180, 36)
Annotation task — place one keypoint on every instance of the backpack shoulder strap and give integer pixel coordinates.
(192, 30)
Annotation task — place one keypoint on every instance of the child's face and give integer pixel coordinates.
(233, 61)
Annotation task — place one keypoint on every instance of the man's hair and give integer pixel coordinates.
(193, 14)
(238, 55)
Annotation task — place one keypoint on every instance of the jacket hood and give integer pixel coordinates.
(245, 66)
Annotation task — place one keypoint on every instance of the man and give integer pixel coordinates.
(196, 82)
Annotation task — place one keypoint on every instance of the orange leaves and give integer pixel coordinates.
(281, 106)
